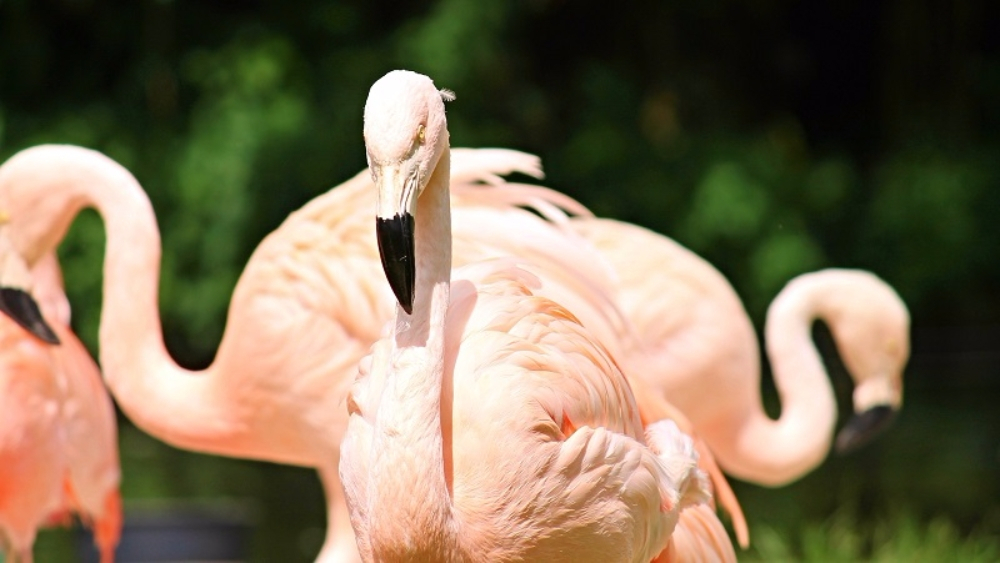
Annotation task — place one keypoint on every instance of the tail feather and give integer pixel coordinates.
(548, 203)
(723, 493)
(699, 534)
(487, 165)
(680, 461)
(108, 526)
(652, 407)
(477, 173)
(699, 537)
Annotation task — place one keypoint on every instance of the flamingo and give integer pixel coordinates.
(488, 424)
(691, 338)
(58, 440)
(686, 336)
(697, 340)
(302, 314)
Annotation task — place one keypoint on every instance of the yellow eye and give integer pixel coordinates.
(420, 134)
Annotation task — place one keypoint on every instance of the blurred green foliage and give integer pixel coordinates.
(896, 537)
(772, 137)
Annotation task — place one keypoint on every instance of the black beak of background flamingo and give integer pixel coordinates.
(395, 246)
(863, 427)
(20, 306)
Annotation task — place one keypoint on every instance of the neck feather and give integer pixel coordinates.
(411, 461)
(777, 451)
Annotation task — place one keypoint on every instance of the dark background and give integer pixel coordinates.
(772, 137)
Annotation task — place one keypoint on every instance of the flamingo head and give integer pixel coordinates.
(15, 300)
(872, 334)
(405, 135)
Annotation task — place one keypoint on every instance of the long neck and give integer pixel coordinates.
(46, 187)
(777, 451)
(410, 470)
(340, 543)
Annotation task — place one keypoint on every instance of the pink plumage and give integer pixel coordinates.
(58, 440)
(488, 423)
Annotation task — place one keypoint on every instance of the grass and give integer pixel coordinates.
(842, 538)
(899, 537)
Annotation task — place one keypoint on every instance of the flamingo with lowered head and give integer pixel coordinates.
(696, 341)
(691, 340)
(488, 424)
(58, 439)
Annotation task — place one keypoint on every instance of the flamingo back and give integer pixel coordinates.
(545, 424)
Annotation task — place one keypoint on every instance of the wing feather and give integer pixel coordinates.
(553, 375)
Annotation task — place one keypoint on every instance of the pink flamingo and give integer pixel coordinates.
(58, 440)
(695, 336)
(686, 336)
(489, 425)
(303, 313)
(690, 336)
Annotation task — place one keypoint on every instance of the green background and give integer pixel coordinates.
(772, 137)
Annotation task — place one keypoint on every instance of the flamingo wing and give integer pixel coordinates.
(545, 409)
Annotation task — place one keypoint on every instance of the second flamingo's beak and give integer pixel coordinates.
(863, 427)
(20, 306)
(394, 223)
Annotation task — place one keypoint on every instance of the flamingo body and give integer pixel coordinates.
(32, 458)
(696, 340)
(303, 312)
(543, 424)
(488, 423)
(58, 439)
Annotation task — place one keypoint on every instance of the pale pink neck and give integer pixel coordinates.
(776, 451)
(45, 188)
(414, 516)
(433, 265)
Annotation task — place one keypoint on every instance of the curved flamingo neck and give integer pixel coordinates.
(414, 518)
(172, 403)
(772, 451)
(45, 188)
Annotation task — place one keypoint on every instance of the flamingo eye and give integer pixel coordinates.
(420, 134)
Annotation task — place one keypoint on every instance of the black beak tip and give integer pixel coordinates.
(396, 248)
(20, 306)
(863, 427)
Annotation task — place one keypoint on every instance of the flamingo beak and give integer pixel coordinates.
(863, 427)
(20, 306)
(394, 224)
